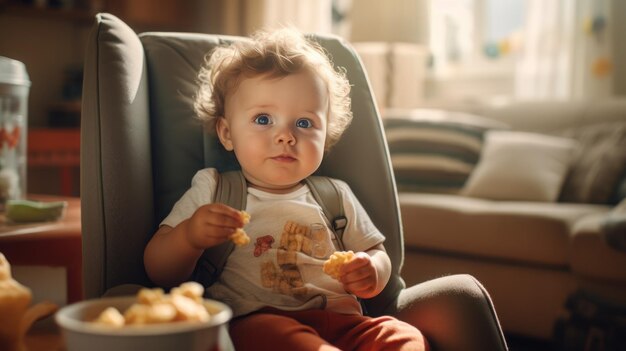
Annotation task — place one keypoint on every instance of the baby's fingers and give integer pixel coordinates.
(361, 287)
(224, 216)
(359, 261)
(358, 274)
(230, 221)
(222, 233)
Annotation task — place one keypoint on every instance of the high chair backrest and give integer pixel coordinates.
(141, 145)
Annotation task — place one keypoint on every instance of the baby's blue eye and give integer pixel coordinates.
(262, 119)
(304, 123)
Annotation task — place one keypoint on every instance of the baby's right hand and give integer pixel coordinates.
(212, 224)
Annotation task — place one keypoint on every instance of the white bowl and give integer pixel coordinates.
(80, 334)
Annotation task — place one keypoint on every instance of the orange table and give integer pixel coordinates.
(48, 244)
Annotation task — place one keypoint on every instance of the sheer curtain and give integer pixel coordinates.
(243, 17)
(567, 50)
(391, 38)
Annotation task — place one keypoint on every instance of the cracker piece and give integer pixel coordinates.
(335, 261)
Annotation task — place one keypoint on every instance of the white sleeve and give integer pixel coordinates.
(203, 186)
(360, 233)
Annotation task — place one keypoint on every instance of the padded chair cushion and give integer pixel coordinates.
(178, 137)
(116, 180)
(432, 307)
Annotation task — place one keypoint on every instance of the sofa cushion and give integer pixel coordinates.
(527, 232)
(599, 163)
(520, 166)
(590, 253)
(433, 150)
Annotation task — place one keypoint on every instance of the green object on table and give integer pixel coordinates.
(23, 211)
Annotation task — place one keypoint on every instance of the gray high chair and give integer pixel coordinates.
(141, 145)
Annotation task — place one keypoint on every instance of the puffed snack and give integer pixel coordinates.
(335, 261)
(239, 237)
(153, 306)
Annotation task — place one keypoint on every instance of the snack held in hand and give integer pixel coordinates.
(335, 261)
(153, 306)
(240, 237)
(245, 217)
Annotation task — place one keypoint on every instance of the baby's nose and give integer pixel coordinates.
(285, 135)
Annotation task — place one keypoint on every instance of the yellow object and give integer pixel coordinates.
(588, 25)
(335, 261)
(602, 67)
(111, 317)
(153, 306)
(504, 47)
(16, 317)
(240, 237)
(245, 217)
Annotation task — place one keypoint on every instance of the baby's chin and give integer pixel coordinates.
(276, 187)
(276, 180)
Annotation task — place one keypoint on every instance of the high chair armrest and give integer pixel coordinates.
(454, 313)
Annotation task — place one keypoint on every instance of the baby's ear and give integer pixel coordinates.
(223, 132)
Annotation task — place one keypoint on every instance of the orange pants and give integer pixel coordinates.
(321, 330)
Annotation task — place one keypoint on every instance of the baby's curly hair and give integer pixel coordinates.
(277, 54)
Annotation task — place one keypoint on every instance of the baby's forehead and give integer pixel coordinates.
(277, 73)
(270, 76)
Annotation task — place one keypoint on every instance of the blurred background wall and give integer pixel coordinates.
(419, 53)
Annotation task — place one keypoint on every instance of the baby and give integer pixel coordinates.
(278, 104)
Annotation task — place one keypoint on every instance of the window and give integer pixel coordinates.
(469, 32)
(473, 44)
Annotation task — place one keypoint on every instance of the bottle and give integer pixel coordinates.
(14, 89)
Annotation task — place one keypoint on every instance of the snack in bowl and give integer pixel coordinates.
(191, 332)
(240, 237)
(184, 303)
(335, 261)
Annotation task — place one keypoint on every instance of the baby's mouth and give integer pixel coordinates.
(284, 158)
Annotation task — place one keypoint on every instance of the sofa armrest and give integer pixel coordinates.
(620, 208)
(454, 312)
(598, 246)
(614, 227)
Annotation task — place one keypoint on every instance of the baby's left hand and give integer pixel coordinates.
(359, 276)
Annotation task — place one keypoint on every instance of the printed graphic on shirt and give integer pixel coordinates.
(263, 244)
(285, 277)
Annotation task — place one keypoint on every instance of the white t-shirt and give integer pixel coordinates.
(282, 265)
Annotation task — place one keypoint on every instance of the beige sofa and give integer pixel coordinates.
(531, 255)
